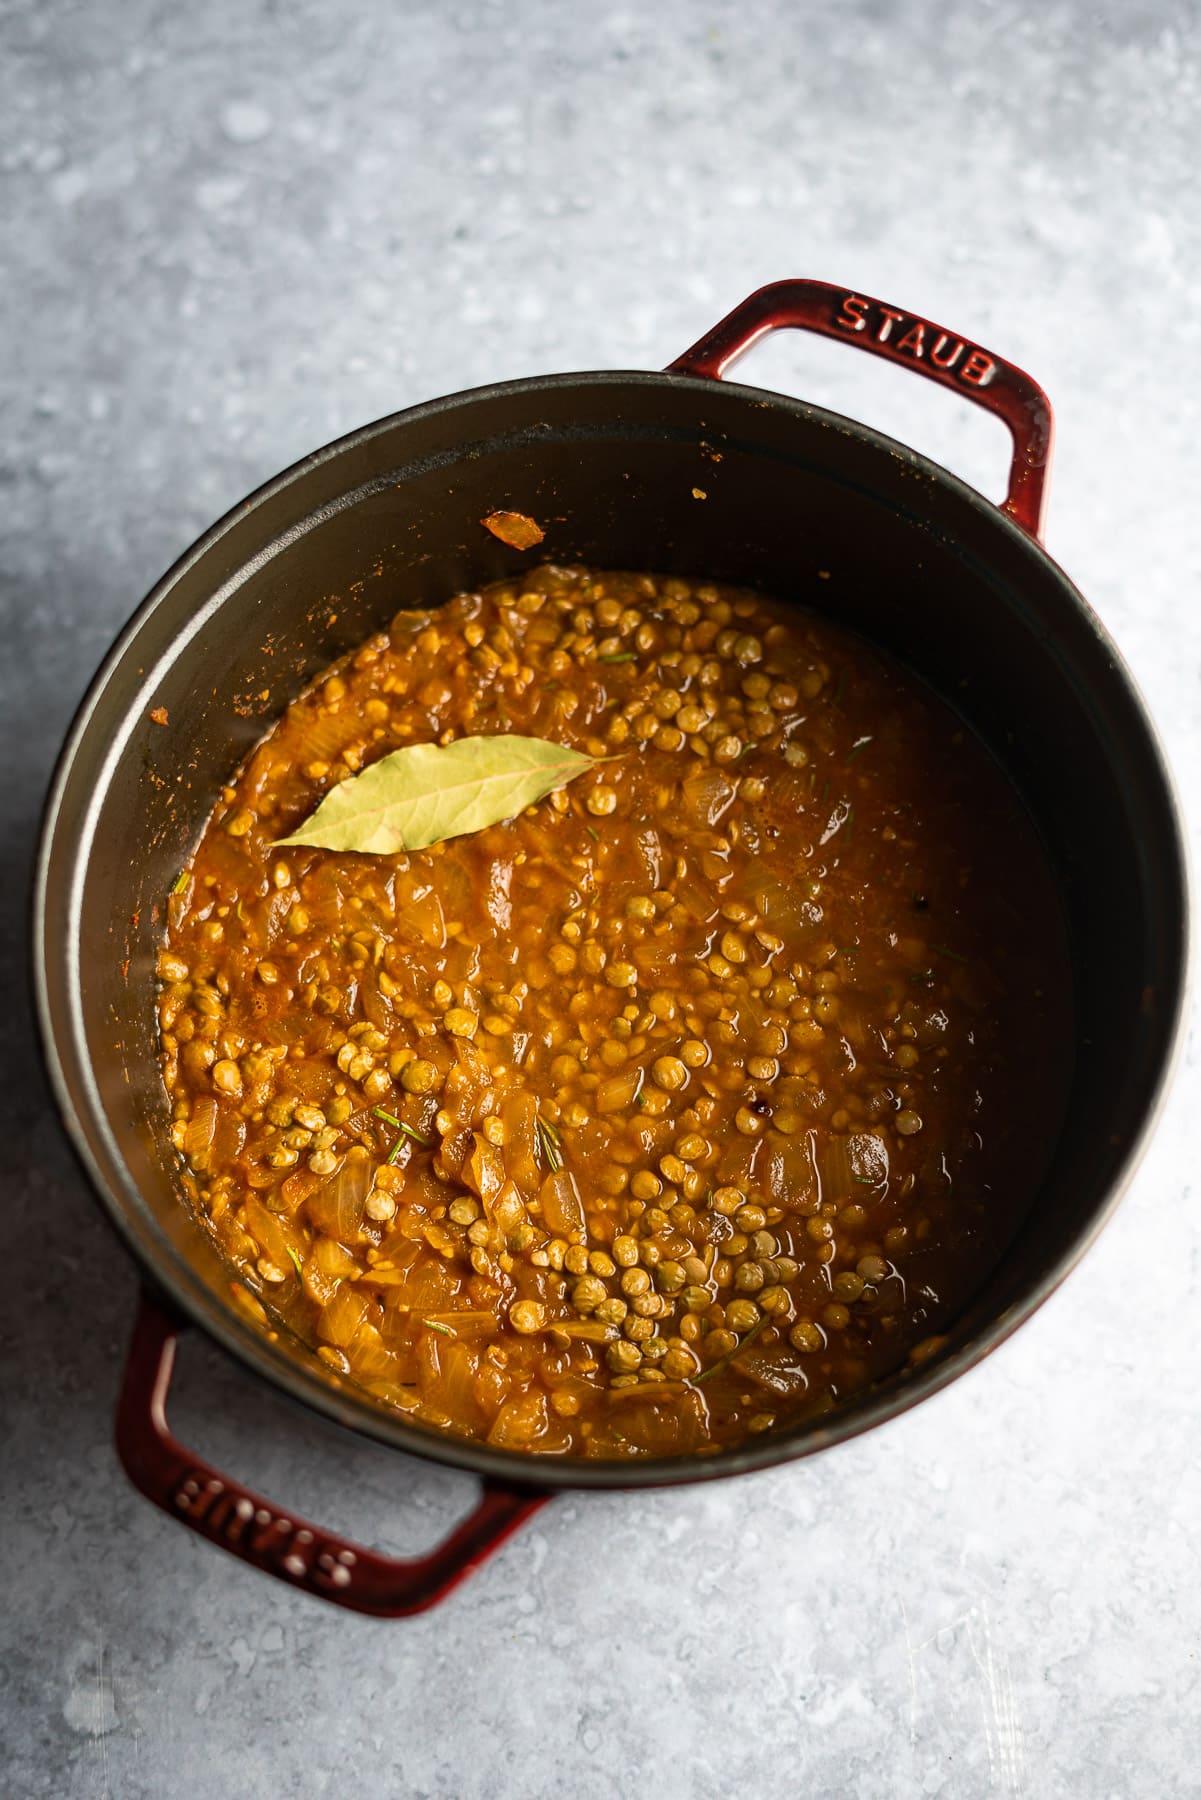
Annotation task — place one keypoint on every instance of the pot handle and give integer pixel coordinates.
(942, 356)
(280, 1544)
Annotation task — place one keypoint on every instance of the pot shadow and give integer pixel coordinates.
(71, 1298)
(309, 1465)
(69, 1295)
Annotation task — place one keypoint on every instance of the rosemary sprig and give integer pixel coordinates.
(551, 1143)
(405, 1130)
(736, 1351)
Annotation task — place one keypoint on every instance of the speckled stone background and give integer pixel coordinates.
(236, 230)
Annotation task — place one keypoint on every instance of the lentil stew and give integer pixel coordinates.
(688, 1103)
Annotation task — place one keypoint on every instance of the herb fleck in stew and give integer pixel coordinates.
(682, 1106)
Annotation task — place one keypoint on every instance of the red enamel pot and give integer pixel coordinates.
(960, 590)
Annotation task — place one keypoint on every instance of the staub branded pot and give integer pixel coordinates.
(677, 472)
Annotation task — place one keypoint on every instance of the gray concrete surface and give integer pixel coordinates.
(236, 230)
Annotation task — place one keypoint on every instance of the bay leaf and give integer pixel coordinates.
(428, 792)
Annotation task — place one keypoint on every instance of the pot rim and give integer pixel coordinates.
(166, 1269)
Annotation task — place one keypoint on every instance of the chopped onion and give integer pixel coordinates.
(849, 1164)
(342, 1316)
(388, 1278)
(424, 916)
(228, 1138)
(295, 1188)
(398, 1252)
(777, 1368)
(838, 1179)
(618, 1091)
(507, 1209)
(430, 1288)
(586, 1331)
(789, 1174)
(311, 1081)
(519, 1116)
(646, 1424)
(199, 1133)
(455, 1149)
(468, 1093)
(401, 1394)
(484, 1170)
(869, 1158)
(334, 1259)
(376, 1007)
(786, 905)
(656, 959)
(276, 1239)
(429, 1347)
(318, 1284)
(371, 1360)
(521, 1423)
(326, 736)
(697, 899)
(648, 847)
(706, 794)
(455, 1389)
(738, 1159)
(665, 1392)
(562, 1208)
(497, 898)
(472, 1324)
(715, 867)
(337, 1207)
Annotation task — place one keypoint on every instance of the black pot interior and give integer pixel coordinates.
(795, 502)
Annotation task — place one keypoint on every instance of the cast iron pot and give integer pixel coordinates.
(675, 472)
